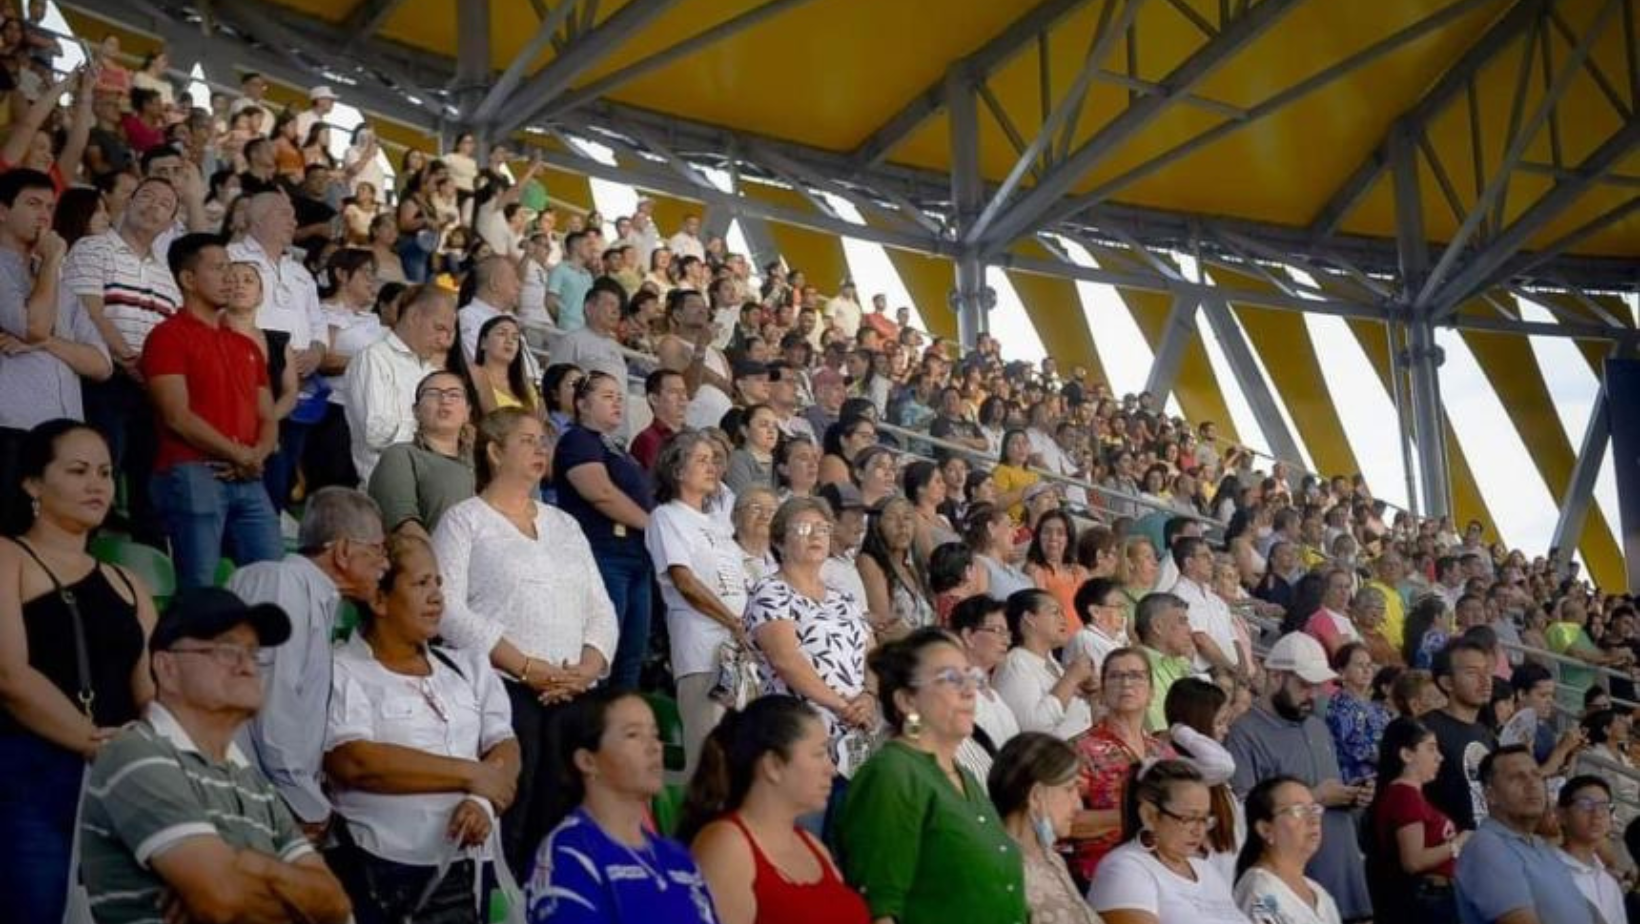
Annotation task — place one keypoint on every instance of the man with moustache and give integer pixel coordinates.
(1281, 735)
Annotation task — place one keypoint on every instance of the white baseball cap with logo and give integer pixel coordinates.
(1300, 654)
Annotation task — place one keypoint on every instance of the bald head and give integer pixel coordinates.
(496, 279)
(271, 220)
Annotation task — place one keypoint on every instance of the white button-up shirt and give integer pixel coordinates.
(544, 595)
(1025, 681)
(290, 299)
(1210, 616)
(460, 712)
(1597, 885)
(379, 397)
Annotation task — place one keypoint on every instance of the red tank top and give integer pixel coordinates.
(781, 901)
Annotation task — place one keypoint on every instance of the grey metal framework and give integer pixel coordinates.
(1408, 283)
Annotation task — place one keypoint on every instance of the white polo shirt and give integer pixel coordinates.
(290, 298)
(1210, 616)
(137, 289)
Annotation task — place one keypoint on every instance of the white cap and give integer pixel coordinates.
(321, 92)
(1300, 654)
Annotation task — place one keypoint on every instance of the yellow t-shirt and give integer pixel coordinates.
(1395, 613)
(1013, 478)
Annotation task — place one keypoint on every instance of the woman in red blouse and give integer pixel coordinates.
(1109, 750)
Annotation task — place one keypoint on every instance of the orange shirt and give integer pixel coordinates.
(1063, 583)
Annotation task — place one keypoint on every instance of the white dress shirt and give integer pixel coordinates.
(683, 244)
(1025, 680)
(1095, 644)
(290, 299)
(1210, 616)
(544, 595)
(379, 396)
(1598, 886)
(532, 296)
(460, 712)
(350, 332)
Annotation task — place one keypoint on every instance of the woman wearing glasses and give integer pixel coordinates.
(913, 814)
(419, 751)
(810, 639)
(1283, 833)
(1158, 875)
(414, 483)
(1109, 751)
(520, 583)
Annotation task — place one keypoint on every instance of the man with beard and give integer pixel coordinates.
(1281, 735)
(1463, 671)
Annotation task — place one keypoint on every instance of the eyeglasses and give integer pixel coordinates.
(223, 653)
(957, 678)
(812, 528)
(1136, 678)
(993, 630)
(1594, 807)
(1307, 811)
(1202, 822)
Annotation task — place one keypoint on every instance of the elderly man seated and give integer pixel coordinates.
(177, 824)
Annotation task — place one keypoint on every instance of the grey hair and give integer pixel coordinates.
(669, 464)
(1150, 608)
(338, 513)
(1369, 596)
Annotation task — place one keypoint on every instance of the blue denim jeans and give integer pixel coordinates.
(39, 792)
(279, 473)
(628, 576)
(203, 512)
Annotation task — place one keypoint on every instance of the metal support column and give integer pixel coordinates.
(1239, 354)
(472, 69)
(1422, 358)
(1176, 336)
(1574, 504)
(971, 299)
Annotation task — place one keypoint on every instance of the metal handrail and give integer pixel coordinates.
(1568, 660)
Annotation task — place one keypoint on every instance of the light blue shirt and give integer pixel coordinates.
(1501, 870)
(287, 737)
(38, 386)
(570, 283)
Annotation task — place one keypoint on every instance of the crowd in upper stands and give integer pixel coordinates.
(846, 625)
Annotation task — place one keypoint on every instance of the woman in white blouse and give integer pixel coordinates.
(419, 753)
(1283, 833)
(351, 325)
(1158, 875)
(1044, 696)
(811, 639)
(521, 585)
(702, 579)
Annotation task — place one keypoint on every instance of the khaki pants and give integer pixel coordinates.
(699, 713)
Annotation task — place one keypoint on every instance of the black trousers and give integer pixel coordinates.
(327, 459)
(385, 892)
(542, 795)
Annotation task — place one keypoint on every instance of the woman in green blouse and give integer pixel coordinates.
(919, 836)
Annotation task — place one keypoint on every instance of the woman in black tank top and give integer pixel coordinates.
(73, 665)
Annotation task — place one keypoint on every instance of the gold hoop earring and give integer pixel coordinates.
(913, 726)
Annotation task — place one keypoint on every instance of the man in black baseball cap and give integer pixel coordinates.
(204, 613)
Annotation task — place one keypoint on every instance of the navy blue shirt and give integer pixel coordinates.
(580, 446)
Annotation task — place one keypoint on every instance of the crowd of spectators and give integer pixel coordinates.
(936, 636)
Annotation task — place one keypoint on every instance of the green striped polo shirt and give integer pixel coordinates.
(151, 788)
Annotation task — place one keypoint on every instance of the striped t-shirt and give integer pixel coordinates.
(150, 789)
(137, 289)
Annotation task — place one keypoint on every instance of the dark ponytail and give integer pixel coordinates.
(730, 756)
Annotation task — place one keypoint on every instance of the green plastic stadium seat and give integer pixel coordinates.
(146, 562)
(671, 725)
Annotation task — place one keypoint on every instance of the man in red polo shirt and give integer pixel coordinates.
(215, 421)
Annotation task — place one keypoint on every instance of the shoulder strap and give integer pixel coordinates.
(82, 653)
(448, 661)
(984, 741)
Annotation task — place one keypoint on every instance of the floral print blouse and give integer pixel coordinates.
(1357, 725)
(1106, 761)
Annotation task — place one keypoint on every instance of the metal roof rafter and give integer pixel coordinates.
(1010, 41)
(562, 71)
(551, 21)
(1026, 212)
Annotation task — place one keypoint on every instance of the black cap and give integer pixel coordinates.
(841, 496)
(207, 612)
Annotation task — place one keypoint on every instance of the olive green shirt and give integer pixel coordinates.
(413, 483)
(923, 853)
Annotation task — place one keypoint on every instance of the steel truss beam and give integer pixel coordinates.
(368, 19)
(1024, 214)
(1574, 502)
(922, 196)
(1070, 207)
(1176, 336)
(1244, 367)
(1498, 37)
(551, 22)
(562, 71)
(1007, 43)
(1548, 206)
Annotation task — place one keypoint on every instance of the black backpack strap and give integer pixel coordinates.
(444, 656)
